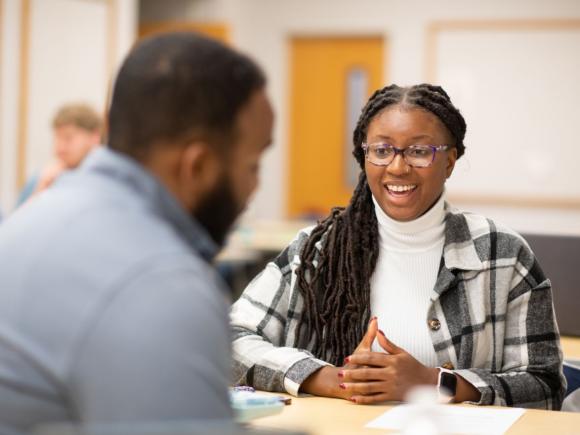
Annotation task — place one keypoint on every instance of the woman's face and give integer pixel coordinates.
(404, 192)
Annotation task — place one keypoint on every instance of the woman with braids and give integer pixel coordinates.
(463, 297)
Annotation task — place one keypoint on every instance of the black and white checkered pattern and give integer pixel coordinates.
(491, 304)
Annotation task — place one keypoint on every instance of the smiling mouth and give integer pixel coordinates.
(400, 190)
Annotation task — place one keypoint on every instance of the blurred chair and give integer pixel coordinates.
(559, 257)
(572, 398)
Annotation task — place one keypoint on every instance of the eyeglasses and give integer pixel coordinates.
(417, 156)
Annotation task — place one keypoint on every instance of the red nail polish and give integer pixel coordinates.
(340, 374)
(342, 386)
(374, 318)
(352, 399)
(346, 360)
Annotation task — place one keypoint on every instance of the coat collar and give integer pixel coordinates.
(142, 183)
(459, 251)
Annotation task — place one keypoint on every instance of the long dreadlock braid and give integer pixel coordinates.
(340, 255)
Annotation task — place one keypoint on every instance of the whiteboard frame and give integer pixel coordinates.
(434, 29)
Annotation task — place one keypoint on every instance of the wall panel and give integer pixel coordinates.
(9, 92)
(66, 59)
(516, 83)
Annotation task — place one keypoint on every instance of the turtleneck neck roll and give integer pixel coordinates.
(416, 235)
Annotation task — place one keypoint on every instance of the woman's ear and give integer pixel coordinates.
(451, 159)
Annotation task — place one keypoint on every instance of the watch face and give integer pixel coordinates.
(448, 383)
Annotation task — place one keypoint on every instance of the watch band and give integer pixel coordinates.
(446, 385)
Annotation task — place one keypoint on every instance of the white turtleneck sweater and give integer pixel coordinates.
(405, 275)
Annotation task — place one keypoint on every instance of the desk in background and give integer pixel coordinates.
(323, 416)
(254, 237)
(251, 245)
(571, 348)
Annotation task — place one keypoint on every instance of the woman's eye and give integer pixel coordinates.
(382, 151)
(418, 152)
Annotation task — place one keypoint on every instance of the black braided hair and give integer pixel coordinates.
(340, 255)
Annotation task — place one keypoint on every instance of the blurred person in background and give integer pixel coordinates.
(77, 130)
(110, 309)
(400, 289)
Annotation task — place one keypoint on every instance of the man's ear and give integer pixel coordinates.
(199, 167)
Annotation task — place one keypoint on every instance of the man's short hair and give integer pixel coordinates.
(79, 115)
(178, 87)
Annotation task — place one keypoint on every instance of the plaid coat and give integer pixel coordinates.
(491, 319)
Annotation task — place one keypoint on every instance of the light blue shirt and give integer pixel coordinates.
(109, 308)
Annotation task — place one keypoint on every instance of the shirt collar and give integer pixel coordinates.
(143, 183)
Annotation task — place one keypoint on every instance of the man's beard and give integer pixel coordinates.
(218, 210)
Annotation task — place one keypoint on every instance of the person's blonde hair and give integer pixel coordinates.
(80, 115)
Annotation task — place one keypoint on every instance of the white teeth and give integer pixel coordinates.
(397, 188)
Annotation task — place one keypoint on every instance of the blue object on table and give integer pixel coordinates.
(248, 405)
(572, 374)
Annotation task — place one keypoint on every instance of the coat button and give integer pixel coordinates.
(448, 366)
(434, 324)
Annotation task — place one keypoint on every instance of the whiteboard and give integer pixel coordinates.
(519, 91)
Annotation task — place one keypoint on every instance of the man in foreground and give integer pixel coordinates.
(110, 311)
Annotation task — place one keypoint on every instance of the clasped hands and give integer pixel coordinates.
(371, 377)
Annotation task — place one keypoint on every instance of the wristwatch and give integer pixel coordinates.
(446, 385)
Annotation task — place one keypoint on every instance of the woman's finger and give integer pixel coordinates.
(365, 374)
(370, 399)
(375, 359)
(365, 388)
(367, 341)
(387, 344)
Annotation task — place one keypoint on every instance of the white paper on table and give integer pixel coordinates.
(451, 419)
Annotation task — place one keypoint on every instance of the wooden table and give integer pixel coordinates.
(322, 416)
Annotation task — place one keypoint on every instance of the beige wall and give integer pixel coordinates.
(53, 52)
(262, 28)
(9, 46)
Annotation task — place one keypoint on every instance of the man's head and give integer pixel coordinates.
(77, 130)
(194, 112)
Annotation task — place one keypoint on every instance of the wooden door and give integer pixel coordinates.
(331, 78)
(217, 31)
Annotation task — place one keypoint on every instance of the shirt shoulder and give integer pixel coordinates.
(482, 226)
(478, 237)
(168, 325)
(290, 255)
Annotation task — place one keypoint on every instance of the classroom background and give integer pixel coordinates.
(512, 67)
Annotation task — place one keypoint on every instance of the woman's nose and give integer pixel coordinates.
(398, 166)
